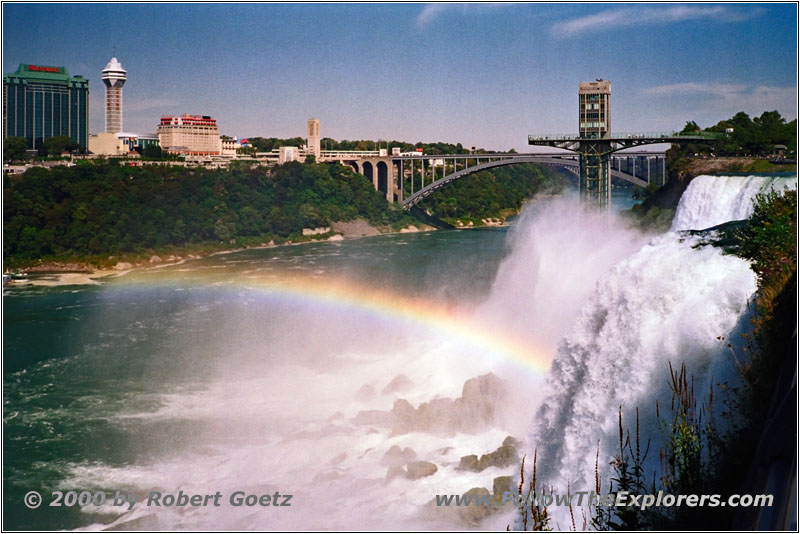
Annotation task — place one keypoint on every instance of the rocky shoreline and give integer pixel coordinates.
(54, 273)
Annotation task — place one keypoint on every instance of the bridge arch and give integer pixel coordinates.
(383, 178)
(429, 189)
(367, 171)
(569, 163)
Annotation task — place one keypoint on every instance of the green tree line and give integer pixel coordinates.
(110, 209)
(262, 144)
(750, 137)
(103, 208)
(490, 193)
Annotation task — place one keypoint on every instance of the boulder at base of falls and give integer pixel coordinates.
(366, 393)
(399, 384)
(501, 485)
(396, 456)
(420, 469)
(505, 455)
(480, 405)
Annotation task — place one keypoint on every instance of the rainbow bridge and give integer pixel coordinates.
(409, 179)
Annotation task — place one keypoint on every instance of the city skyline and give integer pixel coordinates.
(483, 75)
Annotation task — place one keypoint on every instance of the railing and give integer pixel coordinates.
(625, 135)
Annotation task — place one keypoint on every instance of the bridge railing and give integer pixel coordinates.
(629, 135)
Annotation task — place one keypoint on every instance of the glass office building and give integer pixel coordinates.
(43, 102)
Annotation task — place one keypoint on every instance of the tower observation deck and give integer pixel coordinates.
(114, 77)
(595, 143)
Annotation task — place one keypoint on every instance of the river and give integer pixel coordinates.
(295, 369)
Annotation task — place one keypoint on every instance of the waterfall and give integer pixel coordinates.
(713, 200)
(671, 301)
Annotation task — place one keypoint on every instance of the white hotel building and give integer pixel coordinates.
(192, 135)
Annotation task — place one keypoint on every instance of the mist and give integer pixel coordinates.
(331, 397)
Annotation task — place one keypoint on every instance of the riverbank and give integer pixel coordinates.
(90, 270)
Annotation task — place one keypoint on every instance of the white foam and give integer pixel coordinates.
(712, 200)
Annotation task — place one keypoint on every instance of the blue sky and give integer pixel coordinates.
(481, 74)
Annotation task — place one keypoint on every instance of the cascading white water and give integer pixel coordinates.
(669, 302)
(712, 200)
(267, 420)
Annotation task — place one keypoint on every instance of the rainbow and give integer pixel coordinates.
(343, 294)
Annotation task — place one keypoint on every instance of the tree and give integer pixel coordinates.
(153, 152)
(691, 127)
(54, 146)
(14, 148)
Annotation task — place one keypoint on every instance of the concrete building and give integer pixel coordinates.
(193, 135)
(594, 109)
(120, 143)
(288, 153)
(105, 144)
(43, 102)
(114, 77)
(230, 147)
(314, 138)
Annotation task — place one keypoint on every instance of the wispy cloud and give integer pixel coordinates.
(619, 18)
(730, 98)
(148, 103)
(695, 88)
(431, 12)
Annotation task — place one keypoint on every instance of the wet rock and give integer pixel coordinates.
(356, 228)
(399, 384)
(476, 511)
(420, 469)
(398, 457)
(404, 417)
(504, 456)
(316, 231)
(501, 485)
(480, 405)
(511, 441)
(366, 393)
(439, 413)
(470, 463)
(482, 399)
(336, 237)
